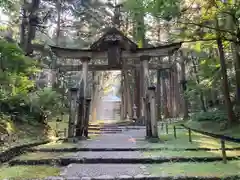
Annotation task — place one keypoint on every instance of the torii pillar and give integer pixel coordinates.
(144, 83)
(153, 120)
(73, 113)
(82, 125)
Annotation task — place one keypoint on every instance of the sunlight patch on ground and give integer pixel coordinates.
(28, 172)
(182, 140)
(133, 140)
(213, 143)
(217, 169)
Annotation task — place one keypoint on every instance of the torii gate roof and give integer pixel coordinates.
(112, 37)
(159, 51)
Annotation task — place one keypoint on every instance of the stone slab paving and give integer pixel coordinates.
(126, 139)
(107, 155)
(113, 170)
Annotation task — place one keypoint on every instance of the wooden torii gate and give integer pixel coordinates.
(118, 49)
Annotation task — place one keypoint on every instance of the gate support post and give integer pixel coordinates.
(183, 83)
(86, 117)
(73, 112)
(147, 117)
(158, 96)
(82, 98)
(80, 117)
(85, 61)
(153, 121)
(144, 80)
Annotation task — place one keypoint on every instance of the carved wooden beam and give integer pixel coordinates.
(159, 51)
(110, 67)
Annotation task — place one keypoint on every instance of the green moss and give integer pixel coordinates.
(24, 134)
(43, 155)
(217, 169)
(215, 127)
(189, 153)
(28, 172)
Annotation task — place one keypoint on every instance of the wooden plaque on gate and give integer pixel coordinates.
(114, 55)
(114, 42)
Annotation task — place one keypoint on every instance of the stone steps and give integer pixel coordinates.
(143, 177)
(104, 130)
(119, 149)
(115, 163)
(65, 161)
(105, 171)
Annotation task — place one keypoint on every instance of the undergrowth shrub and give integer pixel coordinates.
(7, 130)
(210, 116)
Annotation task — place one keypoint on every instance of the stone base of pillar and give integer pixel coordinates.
(82, 138)
(71, 140)
(153, 139)
(140, 121)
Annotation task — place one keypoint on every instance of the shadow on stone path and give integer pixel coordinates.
(126, 139)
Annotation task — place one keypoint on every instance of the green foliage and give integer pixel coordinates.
(17, 85)
(210, 116)
(166, 10)
(158, 8)
(46, 100)
(15, 72)
(13, 59)
(9, 5)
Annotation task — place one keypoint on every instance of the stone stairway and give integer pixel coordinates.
(104, 129)
(112, 128)
(108, 171)
(121, 156)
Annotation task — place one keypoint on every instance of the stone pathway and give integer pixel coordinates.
(104, 170)
(126, 139)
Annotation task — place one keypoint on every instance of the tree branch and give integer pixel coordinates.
(209, 27)
(210, 39)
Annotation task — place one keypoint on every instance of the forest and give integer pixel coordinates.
(34, 92)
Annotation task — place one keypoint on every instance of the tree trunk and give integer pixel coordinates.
(23, 25)
(184, 85)
(201, 97)
(228, 103)
(32, 24)
(165, 97)
(55, 74)
(94, 96)
(232, 26)
(58, 7)
(177, 91)
(170, 93)
(137, 91)
(158, 96)
(236, 58)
